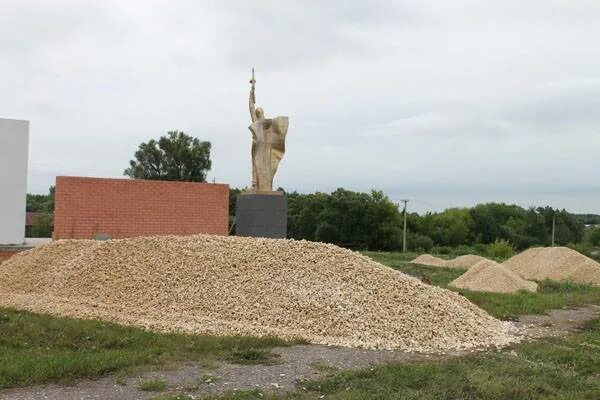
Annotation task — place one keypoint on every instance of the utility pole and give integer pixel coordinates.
(404, 235)
(553, 226)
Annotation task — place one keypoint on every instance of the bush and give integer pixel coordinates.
(464, 249)
(592, 236)
(501, 249)
(582, 248)
(419, 243)
(42, 226)
(441, 250)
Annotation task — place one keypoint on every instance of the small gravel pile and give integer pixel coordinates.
(465, 262)
(489, 276)
(428, 259)
(246, 286)
(555, 263)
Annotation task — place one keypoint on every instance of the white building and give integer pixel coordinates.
(14, 150)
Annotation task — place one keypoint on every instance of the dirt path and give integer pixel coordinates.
(296, 364)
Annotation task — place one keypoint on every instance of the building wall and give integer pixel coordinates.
(85, 207)
(6, 253)
(14, 150)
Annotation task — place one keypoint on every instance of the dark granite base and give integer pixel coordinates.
(261, 215)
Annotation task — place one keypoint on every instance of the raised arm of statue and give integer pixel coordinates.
(252, 105)
(252, 99)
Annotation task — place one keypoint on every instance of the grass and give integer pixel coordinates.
(153, 385)
(552, 369)
(550, 295)
(250, 356)
(38, 348)
(567, 368)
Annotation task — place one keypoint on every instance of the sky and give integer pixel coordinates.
(444, 103)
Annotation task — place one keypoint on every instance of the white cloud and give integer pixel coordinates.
(449, 102)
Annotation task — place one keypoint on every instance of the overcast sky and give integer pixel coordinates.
(447, 103)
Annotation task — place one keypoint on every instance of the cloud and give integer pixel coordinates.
(454, 102)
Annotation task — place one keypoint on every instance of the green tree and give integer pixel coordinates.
(592, 236)
(345, 218)
(175, 157)
(41, 202)
(42, 226)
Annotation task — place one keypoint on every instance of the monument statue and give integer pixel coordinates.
(268, 144)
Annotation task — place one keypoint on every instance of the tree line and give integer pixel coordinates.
(373, 221)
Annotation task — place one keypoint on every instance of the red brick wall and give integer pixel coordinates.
(121, 208)
(5, 254)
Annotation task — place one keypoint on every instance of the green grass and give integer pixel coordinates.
(550, 295)
(38, 348)
(249, 356)
(552, 369)
(153, 385)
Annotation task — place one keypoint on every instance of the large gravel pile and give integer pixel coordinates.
(555, 263)
(231, 285)
(489, 276)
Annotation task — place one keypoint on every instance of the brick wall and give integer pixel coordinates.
(122, 208)
(6, 253)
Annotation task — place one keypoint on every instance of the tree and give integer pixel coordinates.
(41, 202)
(176, 157)
(42, 226)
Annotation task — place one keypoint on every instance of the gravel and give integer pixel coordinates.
(489, 276)
(428, 259)
(221, 285)
(461, 262)
(467, 261)
(555, 263)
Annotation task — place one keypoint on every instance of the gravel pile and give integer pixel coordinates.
(465, 262)
(428, 259)
(460, 262)
(246, 286)
(489, 276)
(555, 263)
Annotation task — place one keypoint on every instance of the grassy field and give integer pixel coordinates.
(39, 348)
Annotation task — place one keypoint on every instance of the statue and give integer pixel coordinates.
(268, 144)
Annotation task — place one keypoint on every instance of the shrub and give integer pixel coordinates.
(501, 249)
(441, 250)
(581, 247)
(592, 236)
(42, 226)
(419, 243)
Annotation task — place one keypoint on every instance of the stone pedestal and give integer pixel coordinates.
(261, 215)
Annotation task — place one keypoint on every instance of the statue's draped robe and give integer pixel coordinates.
(268, 146)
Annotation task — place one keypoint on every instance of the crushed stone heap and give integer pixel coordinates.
(465, 262)
(428, 259)
(489, 276)
(220, 285)
(555, 263)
